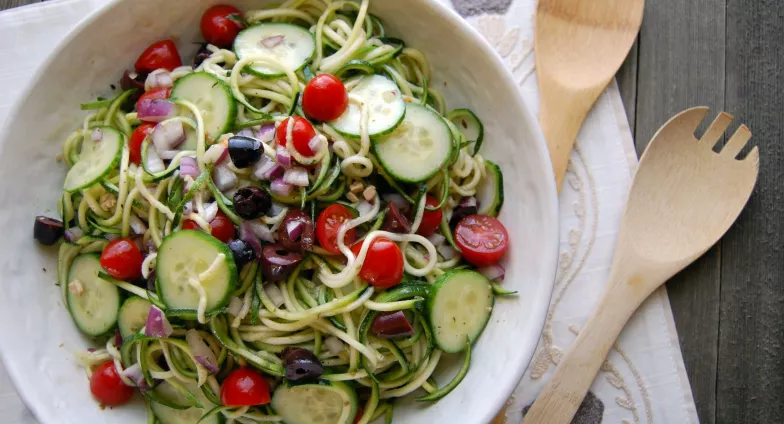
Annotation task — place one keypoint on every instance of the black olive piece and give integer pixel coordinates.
(395, 221)
(201, 55)
(304, 241)
(251, 202)
(47, 230)
(301, 364)
(277, 262)
(460, 213)
(151, 281)
(244, 151)
(243, 252)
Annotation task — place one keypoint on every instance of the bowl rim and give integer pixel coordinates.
(538, 312)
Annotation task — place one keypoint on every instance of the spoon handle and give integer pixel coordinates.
(576, 371)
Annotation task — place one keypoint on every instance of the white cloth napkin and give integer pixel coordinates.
(643, 380)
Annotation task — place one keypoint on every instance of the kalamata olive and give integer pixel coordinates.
(201, 55)
(277, 262)
(47, 230)
(392, 324)
(296, 231)
(465, 208)
(244, 151)
(251, 202)
(301, 364)
(131, 80)
(395, 221)
(243, 252)
(151, 281)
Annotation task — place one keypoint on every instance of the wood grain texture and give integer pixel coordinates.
(750, 387)
(681, 64)
(7, 4)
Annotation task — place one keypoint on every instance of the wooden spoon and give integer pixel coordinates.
(684, 197)
(579, 46)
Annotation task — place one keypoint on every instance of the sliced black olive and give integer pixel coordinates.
(201, 55)
(296, 231)
(243, 252)
(47, 230)
(301, 364)
(244, 151)
(277, 262)
(461, 212)
(395, 221)
(251, 202)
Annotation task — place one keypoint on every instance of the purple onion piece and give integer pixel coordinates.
(283, 156)
(201, 352)
(247, 235)
(267, 133)
(155, 110)
(392, 324)
(188, 166)
(281, 188)
(493, 272)
(157, 324)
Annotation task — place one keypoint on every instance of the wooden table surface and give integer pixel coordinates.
(729, 306)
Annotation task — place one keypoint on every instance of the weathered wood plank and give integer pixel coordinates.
(7, 4)
(750, 385)
(680, 65)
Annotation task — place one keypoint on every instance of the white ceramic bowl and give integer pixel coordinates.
(38, 337)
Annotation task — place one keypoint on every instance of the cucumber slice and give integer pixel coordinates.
(177, 415)
(459, 307)
(294, 50)
(324, 403)
(186, 254)
(386, 107)
(96, 160)
(471, 126)
(490, 192)
(213, 98)
(94, 304)
(416, 150)
(133, 315)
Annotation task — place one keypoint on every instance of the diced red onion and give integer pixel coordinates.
(297, 177)
(267, 169)
(137, 225)
(283, 157)
(216, 154)
(247, 132)
(224, 178)
(294, 229)
(158, 80)
(97, 135)
(117, 338)
(391, 324)
(436, 239)
(169, 154)
(493, 272)
(201, 352)
(188, 208)
(135, 374)
(274, 294)
(267, 133)
(168, 135)
(91, 349)
(157, 324)
(334, 345)
(235, 306)
(73, 234)
(280, 187)
(260, 230)
(276, 209)
(364, 208)
(154, 162)
(247, 235)
(188, 166)
(468, 202)
(155, 110)
(447, 251)
(397, 199)
(210, 211)
(150, 246)
(315, 143)
(272, 41)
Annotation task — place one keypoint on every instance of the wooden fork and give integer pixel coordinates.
(683, 199)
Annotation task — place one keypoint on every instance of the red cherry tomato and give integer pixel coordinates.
(383, 266)
(122, 259)
(137, 138)
(107, 387)
(161, 54)
(218, 27)
(325, 98)
(482, 239)
(430, 219)
(245, 387)
(329, 223)
(302, 133)
(154, 94)
(221, 227)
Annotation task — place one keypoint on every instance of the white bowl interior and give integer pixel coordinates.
(38, 336)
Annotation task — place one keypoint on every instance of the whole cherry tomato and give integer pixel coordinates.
(107, 386)
(430, 219)
(220, 25)
(482, 239)
(244, 387)
(383, 266)
(325, 98)
(161, 54)
(137, 138)
(329, 223)
(302, 133)
(221, 227)
(122, 259)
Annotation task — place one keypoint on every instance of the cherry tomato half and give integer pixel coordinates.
(107, 386)
(245, 387)
(221, 227)
(220, 25)
(325, 98)
(122, 259)
(154, 94)
(482, 239)
(383, 266)
(302, 133)
(430, 219)
(161, 54)
(329, 223)
(137, 138)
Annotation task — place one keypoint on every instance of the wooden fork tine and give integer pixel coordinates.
(737, 142)
(716, 129)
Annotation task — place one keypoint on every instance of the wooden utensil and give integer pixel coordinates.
(684, 197)
(579, 46)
